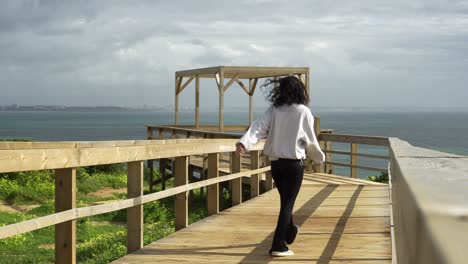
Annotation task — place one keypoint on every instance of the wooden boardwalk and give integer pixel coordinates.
(341, 220)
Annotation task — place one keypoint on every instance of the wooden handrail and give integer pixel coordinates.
(188, 130)
(356, 166)
(374, 156)
(367, 140)
(15, 157)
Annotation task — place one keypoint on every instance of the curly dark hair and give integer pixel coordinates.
(289, 91)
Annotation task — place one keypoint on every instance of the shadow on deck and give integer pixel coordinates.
(341, 220)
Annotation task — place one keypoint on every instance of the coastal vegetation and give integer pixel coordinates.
(100, 239)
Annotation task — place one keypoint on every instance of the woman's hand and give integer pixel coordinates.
(240, 149)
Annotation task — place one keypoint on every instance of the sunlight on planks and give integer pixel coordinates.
(341, 220)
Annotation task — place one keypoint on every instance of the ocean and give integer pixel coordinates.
(443, 131)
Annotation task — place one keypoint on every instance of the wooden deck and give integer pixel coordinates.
(341, 220)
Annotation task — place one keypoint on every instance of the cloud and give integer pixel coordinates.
(126, 53)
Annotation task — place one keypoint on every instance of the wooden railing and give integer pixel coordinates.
(166, 131)
(326, 140)
(66, 157)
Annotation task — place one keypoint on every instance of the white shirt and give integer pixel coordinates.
(289, 130)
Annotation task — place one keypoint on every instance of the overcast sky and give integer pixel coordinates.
(398, 53)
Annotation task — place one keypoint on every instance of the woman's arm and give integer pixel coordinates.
(257, 130)
(312, 144)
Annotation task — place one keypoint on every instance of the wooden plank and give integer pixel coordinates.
(213, 190)
(241, 84)
(254, 179)
(244, 72)
(332, 230)
(203, 129)
(307, 83)
(357, 166)
(186, 84)
(150, 174)
(218, 81)
(236, 165)
(178, 80)
(367, 140)
(328, 157)
(354, 161)
(316, 167)
(203, 71)
(262, 72)
(149, 133)
(268, 177)
(233, 79)
(374, 156)
(254, 86)
(39, 159)
(135, 213)
(163, 164)
(65, 199)
(221, 101)
(181, 202)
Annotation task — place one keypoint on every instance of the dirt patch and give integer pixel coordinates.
(47, 246)
(4, 207)
(107, 192)
(106, 223)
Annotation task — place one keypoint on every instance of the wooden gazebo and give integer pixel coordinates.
(234, 74)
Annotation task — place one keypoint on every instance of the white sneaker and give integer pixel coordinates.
(282, 253)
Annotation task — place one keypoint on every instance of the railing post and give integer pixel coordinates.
(268, 177)
(329, 157)
(162, 172)
(150, 176)
(181, 202)
(236, 186)
(65, 199)
(255, 178)
(135, 213)
(213, 190)
(160, 133)
(316, 167)
(354, 161)
(149, 133)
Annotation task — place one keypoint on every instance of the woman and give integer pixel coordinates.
(288, 126)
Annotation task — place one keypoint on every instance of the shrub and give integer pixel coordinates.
(88, 182)
(32, 186)
(11, 243)
(103, 248)
(383, 178)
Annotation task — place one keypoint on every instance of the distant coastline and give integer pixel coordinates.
(57, 108)
(145, 108)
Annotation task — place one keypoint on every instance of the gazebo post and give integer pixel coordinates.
(252, 86)
(250, 102)
(197, 101)
(176, 106)
(221, 100)
(307, 84)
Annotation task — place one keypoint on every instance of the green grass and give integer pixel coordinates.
(382, 178)
(101, 238)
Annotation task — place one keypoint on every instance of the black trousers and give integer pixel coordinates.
(288, 176)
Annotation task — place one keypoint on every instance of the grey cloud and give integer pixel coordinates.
(58, 51)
